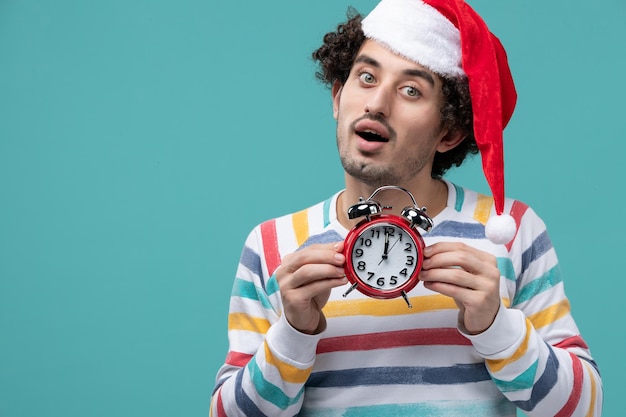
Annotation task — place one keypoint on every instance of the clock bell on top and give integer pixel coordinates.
(451, 39)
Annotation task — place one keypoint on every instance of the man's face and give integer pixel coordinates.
(388, 118)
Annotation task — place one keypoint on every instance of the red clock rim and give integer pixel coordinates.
(351, 274)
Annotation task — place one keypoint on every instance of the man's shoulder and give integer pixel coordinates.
(479, 206)
(473, 209)
(294, 229)
(276, 237)
(318, 212)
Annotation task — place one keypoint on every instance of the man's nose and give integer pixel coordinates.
(379, 102)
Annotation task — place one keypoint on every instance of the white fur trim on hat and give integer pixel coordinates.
(418, 32)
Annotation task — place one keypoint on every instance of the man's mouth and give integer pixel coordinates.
(372, 136)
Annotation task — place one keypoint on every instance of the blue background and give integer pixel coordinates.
(140, 141)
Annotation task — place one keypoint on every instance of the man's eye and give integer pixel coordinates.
(411, 91)
(367, 78)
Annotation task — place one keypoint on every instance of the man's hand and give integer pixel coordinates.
(470, 276)
(306, 278)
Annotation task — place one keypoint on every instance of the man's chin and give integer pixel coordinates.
(369, 174)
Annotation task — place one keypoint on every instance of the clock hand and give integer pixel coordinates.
(386, 244)
(386, 250)
(394, 243)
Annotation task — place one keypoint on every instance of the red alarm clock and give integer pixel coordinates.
(384, 252)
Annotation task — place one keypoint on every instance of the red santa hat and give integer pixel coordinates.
(451, 39)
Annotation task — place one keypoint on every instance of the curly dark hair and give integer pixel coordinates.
(336, 56)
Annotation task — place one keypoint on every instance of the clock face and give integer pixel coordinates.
(384, 257)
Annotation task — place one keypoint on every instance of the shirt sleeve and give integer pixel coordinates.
(268, 361)
(534, 351)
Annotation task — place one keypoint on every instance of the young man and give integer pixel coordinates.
(416, 86)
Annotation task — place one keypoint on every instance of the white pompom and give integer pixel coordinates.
(500, 229)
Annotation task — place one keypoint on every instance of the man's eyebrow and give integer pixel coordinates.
(413, 72)
(422, 74)
(367, 60)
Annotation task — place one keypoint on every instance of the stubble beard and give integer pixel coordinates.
(376, 175)
(369, 174)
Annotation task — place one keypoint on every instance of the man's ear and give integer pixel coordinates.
(336, 92)
(450, 140)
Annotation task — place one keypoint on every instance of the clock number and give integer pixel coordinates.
(409, 260)
(375, 233)
(370, 275)
(408, 247)
(403, 272)
(393, 280)
(365, 242)
(358, 252)
(361, 266)
(390, 231)
(380, 281)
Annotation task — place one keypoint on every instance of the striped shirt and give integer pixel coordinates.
(377, 357)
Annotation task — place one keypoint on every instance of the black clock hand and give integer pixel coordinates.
(386, 250)
(389, 250)
(386, 244)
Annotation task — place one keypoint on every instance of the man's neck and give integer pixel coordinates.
(430, 193)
